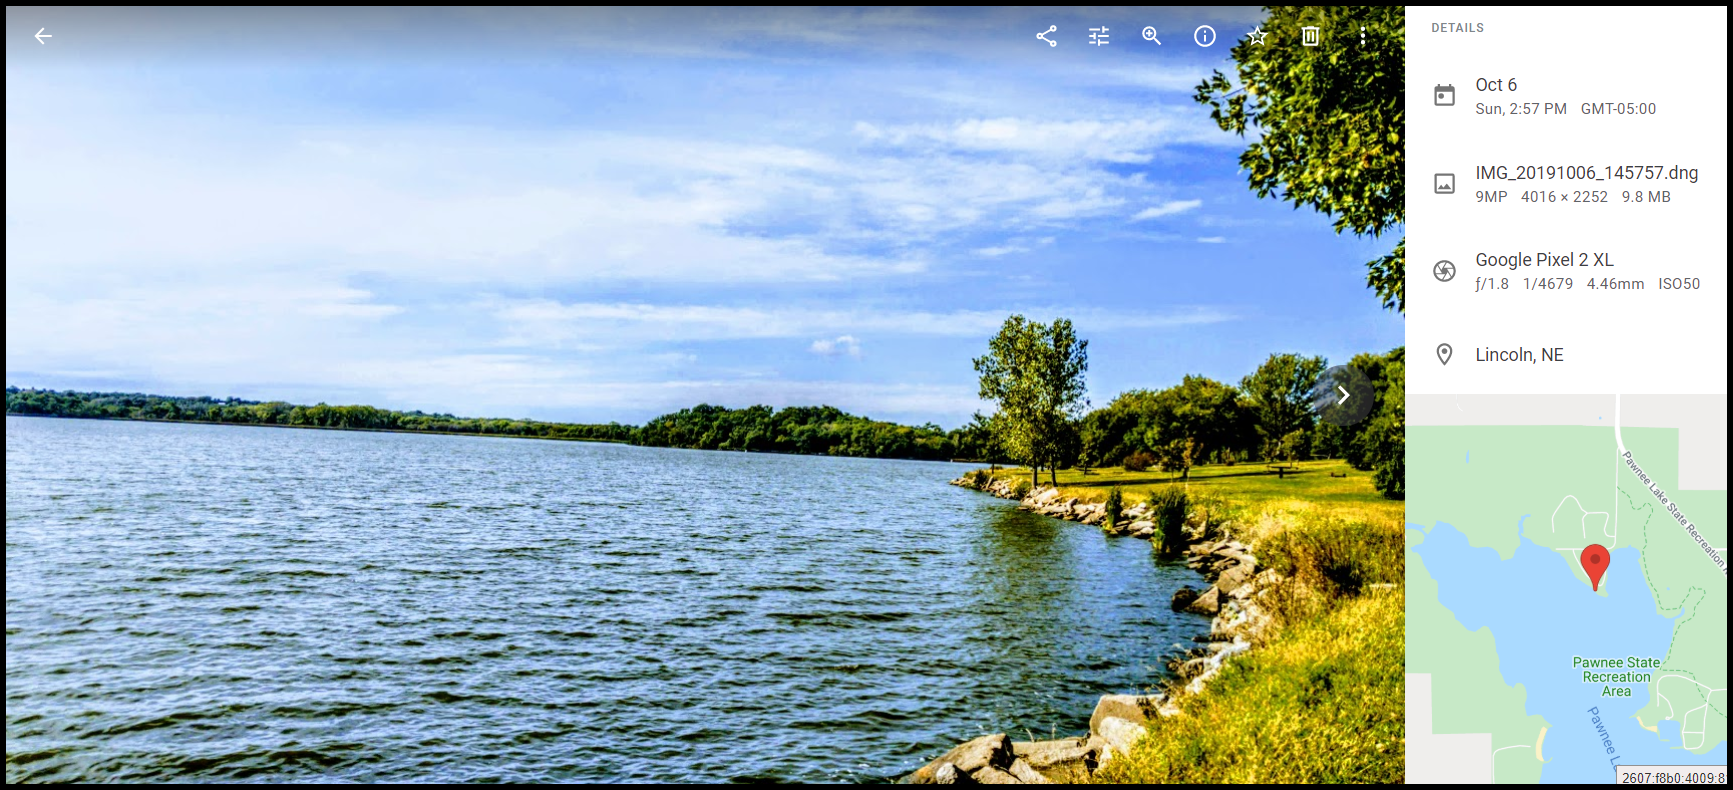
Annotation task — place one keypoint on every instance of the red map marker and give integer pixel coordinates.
(1595, 559)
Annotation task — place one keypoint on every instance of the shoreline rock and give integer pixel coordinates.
(1236, 581)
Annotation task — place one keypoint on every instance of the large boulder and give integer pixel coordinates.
(1135, 708)
(1183, 598)
(1027, 775)
(1067, 760)
(1233, 578)
(987, 751)
(993, 776)
(1120, 735)
(1209, 603)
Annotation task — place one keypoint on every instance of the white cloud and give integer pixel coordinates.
(1169, 208)
(1211, 239)
(1012, 246)
(845, 344)
(1124, 140)
(545, 322)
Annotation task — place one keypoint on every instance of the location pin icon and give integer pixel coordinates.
(1595, 558)
(1444, 353)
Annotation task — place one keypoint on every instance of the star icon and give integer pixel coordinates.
(1258, 35)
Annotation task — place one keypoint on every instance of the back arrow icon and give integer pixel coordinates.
(39, 36)
(1344, 395)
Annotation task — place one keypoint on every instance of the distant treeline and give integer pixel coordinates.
(810, 430)
(137, 406)
(807, 430)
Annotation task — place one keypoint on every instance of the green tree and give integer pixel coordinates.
(1326, 122)
(1387, 436)
(1176, 456)
(1278, 394)
(1356, 445)
(1034, 372)
(1200, 410)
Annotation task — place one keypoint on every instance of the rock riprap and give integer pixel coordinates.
(1119, 721)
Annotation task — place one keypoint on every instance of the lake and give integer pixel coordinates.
(227, 603)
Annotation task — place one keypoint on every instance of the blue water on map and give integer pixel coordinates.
(1541, 614)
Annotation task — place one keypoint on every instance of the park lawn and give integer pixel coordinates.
(1249, 487)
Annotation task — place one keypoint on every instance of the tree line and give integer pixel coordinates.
(237, 411)
(806, 430)
(1034, 373)
(810, 430)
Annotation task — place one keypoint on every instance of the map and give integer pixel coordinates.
(1520, 667)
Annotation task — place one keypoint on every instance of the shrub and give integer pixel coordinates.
(979, 479)
(1176, 456)
(1294, 446)
(1209, 513)
(1115, 502)
(1020, 489)
(1167, 507)
(1138, 461)
(1327, 559)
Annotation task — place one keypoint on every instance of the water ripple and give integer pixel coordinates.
(212, 603)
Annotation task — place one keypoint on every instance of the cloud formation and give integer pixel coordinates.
(1169, 208)
(842, 345)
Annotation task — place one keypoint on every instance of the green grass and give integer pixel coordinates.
(1324, 703)
(1249, 487)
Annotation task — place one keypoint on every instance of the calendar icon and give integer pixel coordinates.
(1444, 96)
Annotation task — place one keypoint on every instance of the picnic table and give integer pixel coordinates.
(1281, 469)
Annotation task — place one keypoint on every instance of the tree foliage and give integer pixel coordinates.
(1279, 394)
(806, 430)
(1386, 434)
(1326, 122)
(1034, 372)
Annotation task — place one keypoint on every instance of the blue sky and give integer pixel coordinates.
(607, 215)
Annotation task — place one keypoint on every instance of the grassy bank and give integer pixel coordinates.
(1320, 698)
(1330, 488)
(1323, 703)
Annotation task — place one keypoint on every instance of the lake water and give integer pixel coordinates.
(189, 602)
